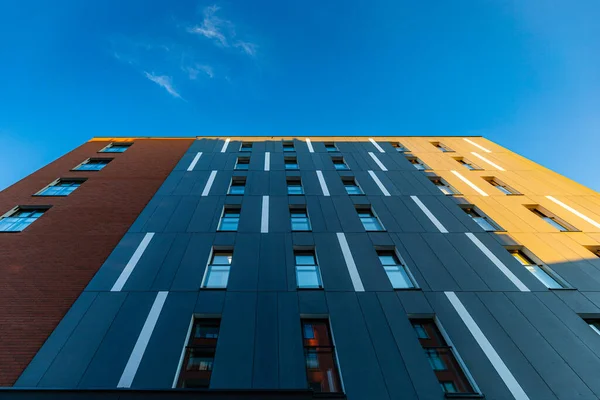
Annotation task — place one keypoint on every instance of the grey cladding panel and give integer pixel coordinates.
(162, 215)
(331, 263)
(369, 267)
(180, 219)
(191, 270)
(292, 374)
(168, 268)
(312, 302)
(266, 346)
(145, 271)
(244, 266)
(272, 263)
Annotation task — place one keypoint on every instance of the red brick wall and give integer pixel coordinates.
(44, 268)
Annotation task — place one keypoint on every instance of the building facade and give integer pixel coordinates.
(299, 268)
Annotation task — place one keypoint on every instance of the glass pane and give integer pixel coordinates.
(237, 189)
(353, 189)
(387, 259)
(543, 277)
(295, 189)
(222, 258)
(241, 166)
(305, 259)
(448, 387)
(555, 224)
(321, 370)
(421, 332)
(521, 258)
(206, 332)
(398, 277)
(340, 166)
(300, 224)
(308, 277)
(229, 224)
(308, 331)
(371, 224)
(484, 223)
(419, 166)
(291, 166)
(217, 277)
(200, 363)
(445, 189)
(435, 361)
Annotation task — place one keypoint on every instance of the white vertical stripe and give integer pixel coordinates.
(379, 183)
(194, 161)
(354, 275)
(377, 146)
(267, 161)
(122, 279)
(323, 184)
(309, 144)
(477, 145)
(142, 342)
(264, 219)
(379, 163)
(499, 168)
(468, 182)
(503, 268)
(225, 145)
(508, 378)
(209, 183)
(574, 211)
(429, 214)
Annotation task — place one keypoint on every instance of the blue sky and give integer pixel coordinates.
(525, 74)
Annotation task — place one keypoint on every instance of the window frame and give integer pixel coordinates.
(312, 319)
(399, 147)
(444, 183)
(33, 208)
(442, 147)
(299, 207)
(528, 256)
(245, 161)
(294, 161)
(483, 216)
(467, 163)
(210, 263)
(329, 145)
(290, 179)
(87, 161)
(230, 208)
(499, 185)
(369, 208)
(339, 160)
(237, 179)
(288, 146)
(309, 250)
(545, 215)
(401, 263)
(355, 183)
(111, 145)
(417, 161)
(40, 193)
(244, 147)
(189, 345)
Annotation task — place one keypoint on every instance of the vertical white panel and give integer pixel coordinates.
(477, 145)
(429, 214)
(267, 161)
(482, 158)
(377, 146)
(264, 220)
(379, 183)
(574, 211)
(323, 184)
(194, 161)
(354, 275)
(122, 279)
(379, 163)
(224, 149)
(468, 182)
(209, 183)
(309, 144)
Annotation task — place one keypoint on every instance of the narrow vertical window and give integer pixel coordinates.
(299, 218)
(199, 354)
(20, 218)
(307, 270)
(444, 186)
(116, 148)
(288, 146)
(441, 357)
(400, 148)
(480, 218)
(467, 164)
(294, 185)
(238, 185)
(331, 147)
(246, 147)
(319, 353)
(418, 164)
(61, 187)
(291, 163)
(339, 163)
(538, 270)
(351, 186)
(442, 147)
(395, 270)
(369, 219)
(243, 163)
(552, 219)
(230, 218)
(501, 186)
(217, 271)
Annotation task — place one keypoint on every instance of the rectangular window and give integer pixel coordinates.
(331, 147)
(351, 185)
(418, 164)
(61, 187)
(199, 354)
(217, 271)
(93, 164)
(230, 218)
(442, 147)
(238, 185)
(443, 186)
(594, 324)
(399, 147)
(441, 358)
(480, 218)
(319, 353)
(291, 163)
(307, 270)
(299, 218)
(369, 219)
(537, 269)
(552, 219)
(595, 250)
(501, 186)
(294, 185)
(395, 270)
(246, 146)
(20, 218)
(467, 164)
(288, 146)
(339, 163)
(242, 163)
(118, 147)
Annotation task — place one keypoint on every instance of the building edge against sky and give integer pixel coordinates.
(383, 267)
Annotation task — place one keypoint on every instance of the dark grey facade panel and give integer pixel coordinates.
(369, 267)
(245, 263)
(193, 264)
(331, 263)
(292, 373)
(145, 271)
(406, 215)
(207, 214)
(414, 302)
(271, 266)
(266, 345)
(171, 182)
(577, 274)
(162, 215)
(180, 219)
(329, 214)
(210, 303)
(448, 220)
(145, 215)
(312, 303)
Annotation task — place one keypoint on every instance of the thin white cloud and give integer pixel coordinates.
(194, 71)
(164, 82)
(247, 47)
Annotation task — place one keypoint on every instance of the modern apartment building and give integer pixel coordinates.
(299, 268)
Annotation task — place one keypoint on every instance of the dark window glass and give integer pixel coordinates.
(115, 148)
(217, 271)
(238, 185)
(418, 164)
(339, 163)
(395, 270)
(442, 147)
(230, 219)
(291, 163)
(443, 186)
(319, 352)
(93, 164)
(246, 146)
(330, 147)
(199, 354)
(351, 186)
(63, 187)
(20, 219)
(242, 163)
(294, 186)
(399, 147)
(467, 164)
(288, 147)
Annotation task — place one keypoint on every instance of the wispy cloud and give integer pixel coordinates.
(165, 82)
(195, 70)
(247, 47)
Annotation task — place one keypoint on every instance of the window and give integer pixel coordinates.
(482, 220)
(290, 163)
(551, 219)
(242, 163)
(217, 271)
(594, 249)
(288, 146)
(538, 270)
(61, 187)
(395, 270)
(441, 358)
(246, 146)
(294, 185)
(369, 219)
(238, 185)
(20, 218)
(339, 164)
(230, 218)
(299, 219)
(319, 353)
(443, 186)
(199, 354)
(351, 185)
(594, 324)
(331, 147)
(418, 164)
(442, 147)
(115, 148)
(467, 164)
(501, 186)
(307, 270)
(399, 147)
(93, 164)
